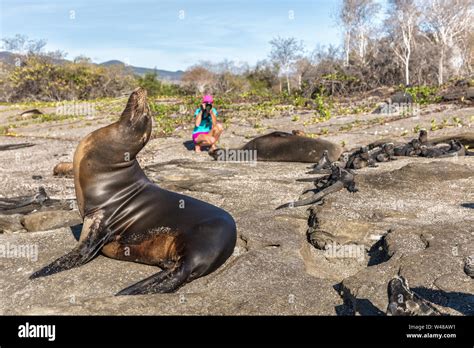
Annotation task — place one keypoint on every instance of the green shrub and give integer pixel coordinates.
(155, 87)
(322, 108)
(423, 94)
(40, 78)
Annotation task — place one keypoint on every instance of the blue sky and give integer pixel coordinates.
(170, 34)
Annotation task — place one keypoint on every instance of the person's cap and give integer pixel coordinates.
(207, 99)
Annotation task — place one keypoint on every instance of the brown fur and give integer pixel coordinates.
(155, 249)
(298, 132)
(64, 169)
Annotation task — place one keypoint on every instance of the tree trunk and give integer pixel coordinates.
(407, 70)
(362, 46)
(440, 67)
(407, 77)
(347, 48)
(288, 83)
(407, 65)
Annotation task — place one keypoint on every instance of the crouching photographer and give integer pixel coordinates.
(207, 130)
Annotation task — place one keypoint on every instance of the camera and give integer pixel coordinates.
(208, 107)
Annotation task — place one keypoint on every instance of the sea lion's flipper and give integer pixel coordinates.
(165, 281)
(404, 302)
(95, 237)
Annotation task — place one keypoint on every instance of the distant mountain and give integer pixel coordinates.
(9, 58)
(162, 74)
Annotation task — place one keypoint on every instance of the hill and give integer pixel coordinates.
(9, 58)
(163, 74)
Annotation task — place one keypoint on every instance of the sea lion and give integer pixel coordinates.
(127, 217)
(64, 169)
(31, 112)
(284, 147)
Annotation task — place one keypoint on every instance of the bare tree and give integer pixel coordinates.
(20, 44)
(423, 65)
(199, 79)
(465, 44)
(446, 21)
(402, 23)
(356, 17)
(302, 66)
(285, 52)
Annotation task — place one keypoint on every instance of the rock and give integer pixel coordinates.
(403, 241)
(430, 234)
(48, 220)
(401, 98)
(365, 293)
(11, 223)
(458, 94)
(470, 93)
(381, 92)
(397, 103)
(274, 270)
(462, 83)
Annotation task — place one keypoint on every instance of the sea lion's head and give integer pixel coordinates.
(135, 121)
